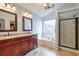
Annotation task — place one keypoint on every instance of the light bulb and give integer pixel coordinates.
(25, 13)
(2, 4)
(8, 6)
(30, 15)
(45, 4)
(14, 8)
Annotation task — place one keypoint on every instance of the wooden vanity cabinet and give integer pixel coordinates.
(5, 47)
(5, 50)
(34, 42)
(18, 46)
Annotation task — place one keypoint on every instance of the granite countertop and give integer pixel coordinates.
(14, 36)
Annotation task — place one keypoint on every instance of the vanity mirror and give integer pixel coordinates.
(27, 24)
(8, 21)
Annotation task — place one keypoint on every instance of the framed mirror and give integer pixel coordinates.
(8, 21)
(27, 24)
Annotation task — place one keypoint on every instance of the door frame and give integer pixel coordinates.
(76, 33)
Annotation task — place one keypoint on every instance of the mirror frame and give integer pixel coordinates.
(15, 20)
(24, 24)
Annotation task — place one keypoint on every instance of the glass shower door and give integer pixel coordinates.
(68, 33)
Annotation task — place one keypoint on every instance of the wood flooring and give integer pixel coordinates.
(49, 48)
(52, 46)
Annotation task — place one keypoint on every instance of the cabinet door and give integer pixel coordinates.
(5, 50)
(25, 45)
(67, 33)
(32, 43)
(34, 39)
(16, 48)
(29, 44)
(35, 43)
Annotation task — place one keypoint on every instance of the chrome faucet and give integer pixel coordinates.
(8, 34)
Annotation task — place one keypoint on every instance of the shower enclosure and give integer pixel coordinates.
(69, 29)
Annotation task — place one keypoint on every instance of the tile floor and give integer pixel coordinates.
(41, 52)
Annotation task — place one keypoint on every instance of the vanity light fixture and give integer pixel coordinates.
(27, 14)
(2, 4)
(13, 7)
(9, 6)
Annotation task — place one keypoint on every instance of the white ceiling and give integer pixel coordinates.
(32, 6)
(38, 8)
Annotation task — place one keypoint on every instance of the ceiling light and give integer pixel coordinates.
(48, 5)
(45, 5)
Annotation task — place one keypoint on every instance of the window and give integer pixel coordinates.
(49, 29)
